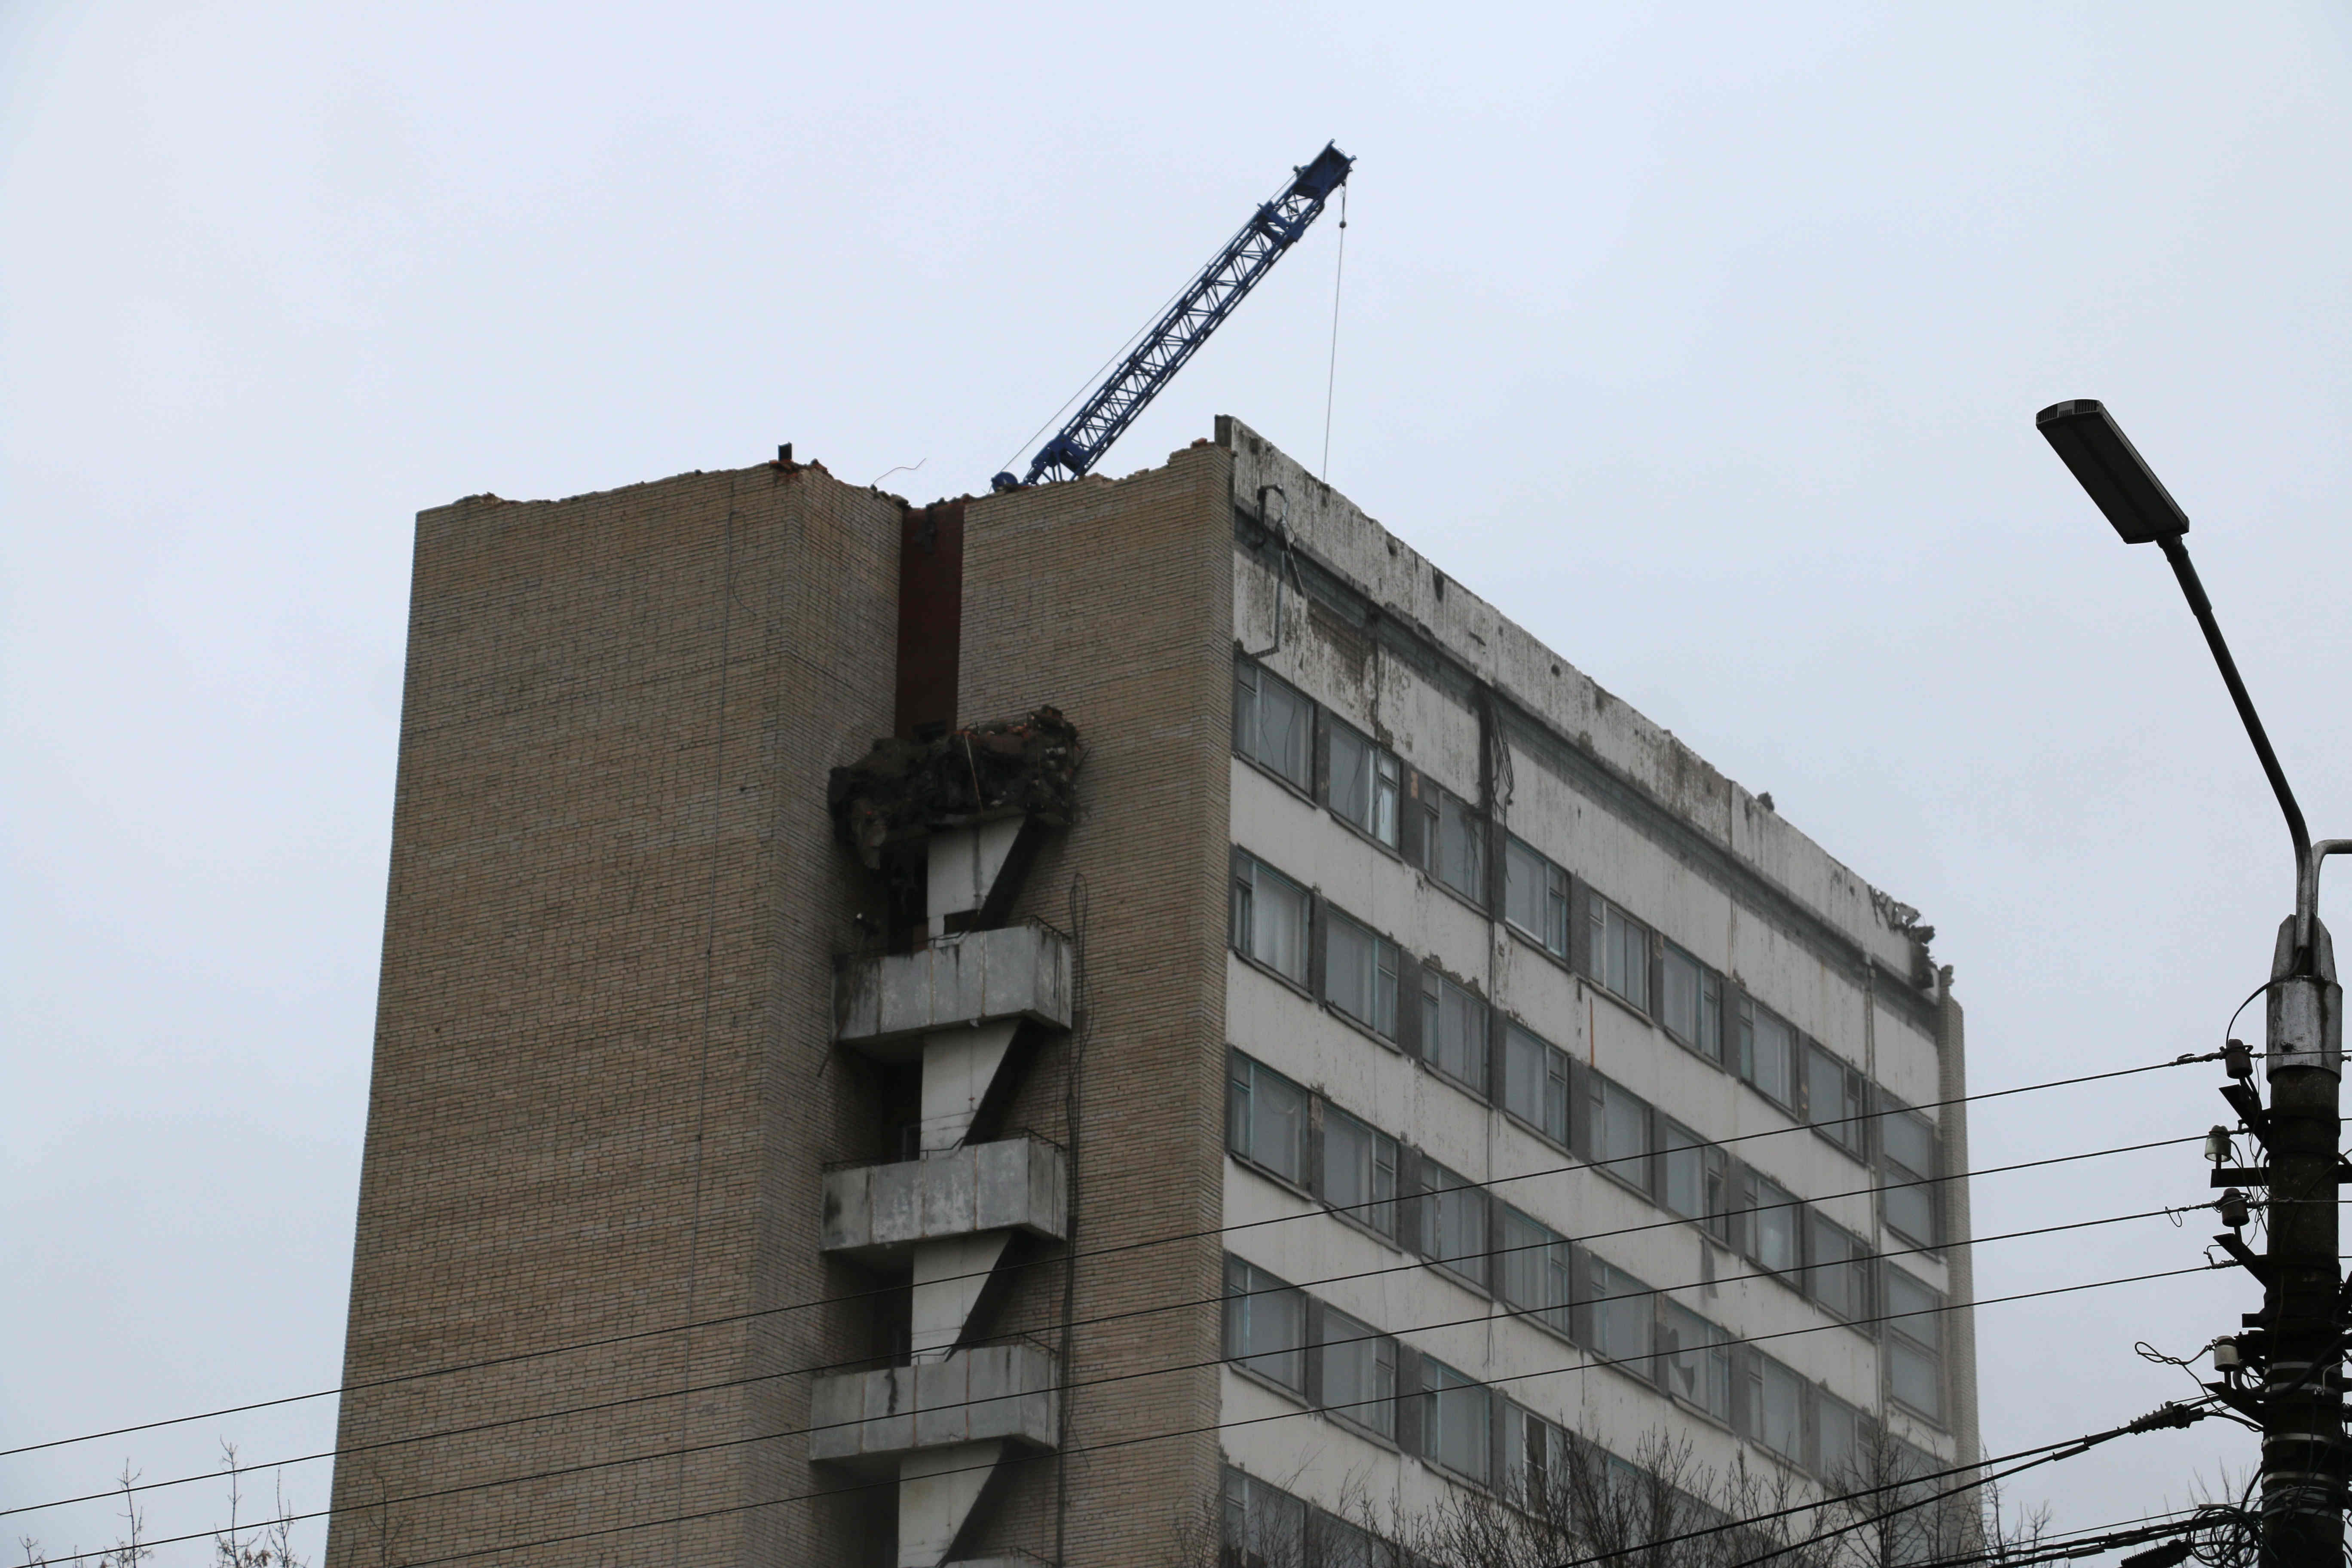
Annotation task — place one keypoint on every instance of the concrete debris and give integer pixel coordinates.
(906, 789)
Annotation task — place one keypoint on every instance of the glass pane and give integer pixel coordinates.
(1461, 849)
(1910, 1142)
(1780, 1425)
(1286, 720)
(1681, 988)
(1358, 1372)
(1621, 1314)
(1836, 1270)
(1698, 1369)
(1359, 1170)
(1457, 1415)
(1533, 1268)
(1912, 1377)
(1277, 923)
(1527, 887)
(1710, 1016)
(1351, 776)
(1455, 1032)
(1360, 974)
(1387, 782)
(1274, 1329)
(1841, 1438)
(1457, 1223)
(1912, 1211)
(1770, 1066)
(1526, 1076)
(1775, 1227)
(1685, 1173)
(1624, 1129)
(1914, 1310)
(1277, 1135)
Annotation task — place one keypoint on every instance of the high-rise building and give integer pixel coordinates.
(1261, 1051)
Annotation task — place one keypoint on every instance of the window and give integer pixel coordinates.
(1453, 1424)
(1772, 1227)
(1266, 1117)
(1262, 1527)
(1838, 1275)
(1266, 1324)
(1452, 1221)
(1620, 1315)
(1338, 1545)
(1534, 894)
(1360, 974)
(1914, 1345)
(1534, 1269)
(1453, 1030)
(1776, 1407)
(1269, 917)
(1696, 1364)
(1839, 1435)
(1535, 1083)
(1366, 780)
(1452, 841)
(1621, 1132)
(1360, 1170)
(1767, 1053)
(1272, 720)
(1621, 953)
(1909, 1141)
(1694, 1178)
(1834, 1100)
(1359, 1369)
(1693, 1003)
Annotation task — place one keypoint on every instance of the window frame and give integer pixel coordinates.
(1714, 1367)
(1374, 1213)
(1249, 675)
(1446, 1194)
(1248, 1289)
(1555, 898)
(1819, 1228)
(1605, 1096)
(1846, 1129)
(1557, 1090)
(1545, 1255)
(1906, 1334)
(1381, 1353)
(1616, 1295)
(1383, 784)
(1792, 1211)
(1242, 919)
(1438, 1381)
(1706, 1038)
(1243, 1073)
(1909, 1185)
(1384, 965)
(1750, 1012)
(1616, 933)
(1435, 985)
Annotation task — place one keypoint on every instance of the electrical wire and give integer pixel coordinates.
(1579, 1368)
(2079, 1443)
(1569, 1167)
(1410, 1264)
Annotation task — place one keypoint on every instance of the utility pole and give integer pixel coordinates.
(2298, 1338)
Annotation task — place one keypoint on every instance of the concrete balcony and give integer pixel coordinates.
(874, 1213)
(885, 1006)
(986, 1393)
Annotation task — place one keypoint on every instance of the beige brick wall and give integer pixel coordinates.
(1113, 602)
(603, 1077)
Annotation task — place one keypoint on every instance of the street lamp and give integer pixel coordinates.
(2300, 1406)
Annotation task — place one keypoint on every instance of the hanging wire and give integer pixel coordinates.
(1331, 371)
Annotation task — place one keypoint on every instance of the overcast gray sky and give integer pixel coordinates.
(1705, 341)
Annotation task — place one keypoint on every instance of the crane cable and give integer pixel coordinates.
(1331, 371)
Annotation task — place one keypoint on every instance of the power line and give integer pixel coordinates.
(1410, 1264)
(1578, 1369)
(733, 1508)
(1072, 1257)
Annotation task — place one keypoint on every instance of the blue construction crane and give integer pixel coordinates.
(1178, 334)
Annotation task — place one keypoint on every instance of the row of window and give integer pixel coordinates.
(1388, 1389)
(1410, 1199)
(1425, 1013)
(1368, 787)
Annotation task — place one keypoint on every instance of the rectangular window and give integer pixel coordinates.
(1266, 1117)
(1266, 1324)
(1772, 1227)
(1621, 953)
(1358, 1368)
(1453, 839)
(1620, 1316)
(1360, 974)
(1837, 1275)
(1534, 1269)
(1767, 1054)
(1453, 1030)
(1454, 1429)
(1833, 1099)
(1777, 1406)
(1452, 1221)
(1269, 917)
(1534, 894)
(1914, 1345)
(1365, 782)
(1621, 1132)
(1273, 721)
(1360, 1170)
(1535, 1083)
(1693, 1003)
(1262, 1527)
(1694, 1178)
(1696, 1364)
(1841, 1438)
(1909, 1141)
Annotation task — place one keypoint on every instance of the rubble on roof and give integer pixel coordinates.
(905, 789)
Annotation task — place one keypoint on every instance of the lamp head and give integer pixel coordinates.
(2109, 467)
